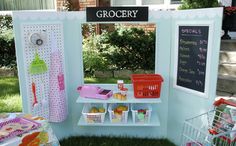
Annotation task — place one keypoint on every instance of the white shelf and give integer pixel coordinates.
(130, 99)
(153, 122)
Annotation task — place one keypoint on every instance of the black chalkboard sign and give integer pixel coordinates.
(192, 57)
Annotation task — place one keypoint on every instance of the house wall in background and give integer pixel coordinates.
(147, 27)
(9, 5)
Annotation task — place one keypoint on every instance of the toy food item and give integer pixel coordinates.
(118, 113)
(34, 142)
(97, 110)
(93, 110)
(29, 138)
(101, 110)
(141, 114)
(122, 108)
(142, 111)
(120, 84)
(119, 96)
(44, 138)
(124, 91)
(35, 139)
(119, 109)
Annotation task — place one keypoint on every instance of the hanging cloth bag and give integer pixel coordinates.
(57, 98)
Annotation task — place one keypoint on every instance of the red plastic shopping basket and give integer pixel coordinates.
(147, 85)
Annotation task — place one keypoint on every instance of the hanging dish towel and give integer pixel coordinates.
(57, 97)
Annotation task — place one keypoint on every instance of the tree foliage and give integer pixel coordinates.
(131, 48)
(7, 45)
(195, 4)
(124, 48)
(93, 59)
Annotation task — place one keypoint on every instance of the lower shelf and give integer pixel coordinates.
(153, 122)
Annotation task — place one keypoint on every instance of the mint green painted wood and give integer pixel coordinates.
(183, 105)
(153, 122)
(74, 72)
(130, 99)
(113, 87)
(175, 105)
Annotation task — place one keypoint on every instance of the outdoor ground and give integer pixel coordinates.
(10, 100)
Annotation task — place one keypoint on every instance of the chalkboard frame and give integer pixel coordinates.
(208, 61)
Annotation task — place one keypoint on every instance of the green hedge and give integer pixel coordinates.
(196, 4)
(131, 48)
(7, 45)
(123, 48)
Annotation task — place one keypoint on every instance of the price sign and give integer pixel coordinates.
(192, 57)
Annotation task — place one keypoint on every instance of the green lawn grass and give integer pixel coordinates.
(10, 100)
(113, 141)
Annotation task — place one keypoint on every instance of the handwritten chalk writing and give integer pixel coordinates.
(201, 63)
(200, 72)
(183, 62)
(203, 50)
(184, 79)
(184, 42)
(183, 70)
(199, 83)
(184, 55)
(192, 56)
(183, 48)
(192, 72)
(191, 31)
(201, 56)
(203, 42)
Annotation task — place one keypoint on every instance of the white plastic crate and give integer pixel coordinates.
(93, 117)
(118, 117)
(141, 113)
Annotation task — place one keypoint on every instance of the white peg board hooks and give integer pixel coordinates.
(41, 81)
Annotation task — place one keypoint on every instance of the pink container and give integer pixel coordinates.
(91, 91)
(18, 126)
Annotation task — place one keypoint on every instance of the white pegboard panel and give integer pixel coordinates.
(47, 31)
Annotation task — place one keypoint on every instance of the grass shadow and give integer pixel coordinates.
(113, 141)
